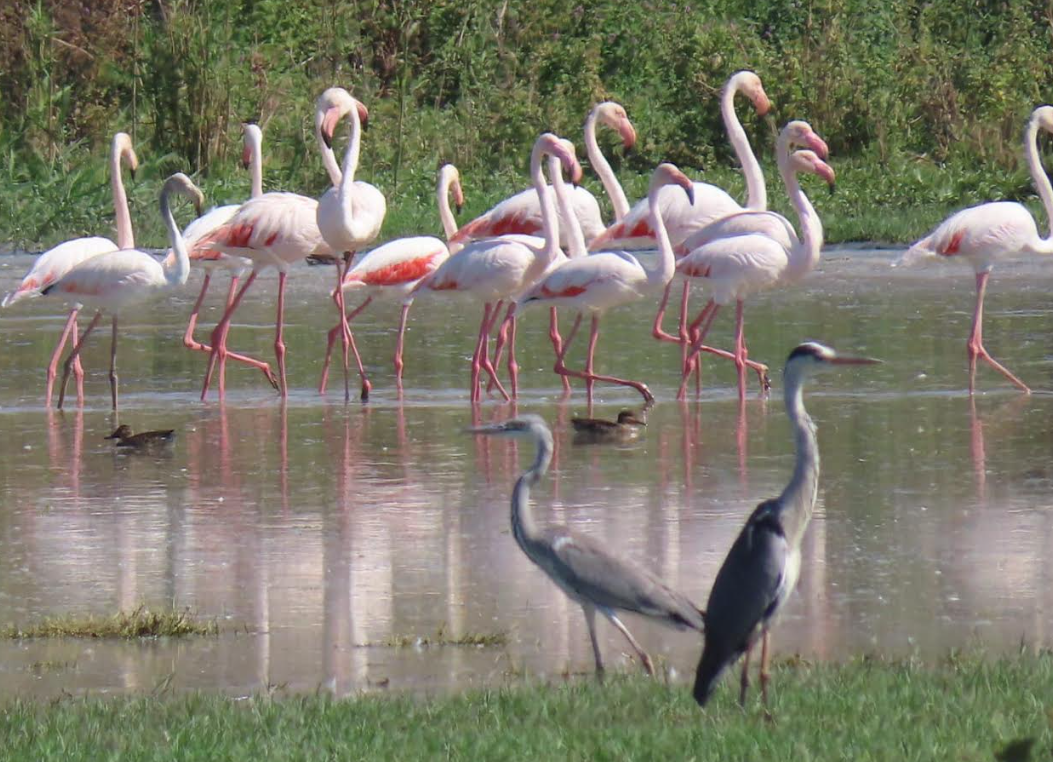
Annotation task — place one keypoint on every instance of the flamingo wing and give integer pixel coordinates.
(490, 269)
(274, 229)
(980, 233)
(111, 279)
(736, 266)
(401, 262)
(770, 224)
(521, 214)
(598, 282)
(55, 263)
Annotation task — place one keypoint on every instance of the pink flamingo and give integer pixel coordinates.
(350, 213)
(740, 265)
(983, 234)
(521, 213)
(496, 269)
(598, 282)
(277, 230)
(394, 269)
(59, 260)
(114, 280)
(210, 259)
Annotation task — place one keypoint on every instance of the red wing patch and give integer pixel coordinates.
(569, 291)
(695, 272)
(75, 288)
(397, 273)
(954, 244)
(237, 236)
(271, 239)
(512, 224)
(641, 229)
(32, 285)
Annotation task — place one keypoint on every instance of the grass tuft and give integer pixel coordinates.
(443, 638)
(141, 622)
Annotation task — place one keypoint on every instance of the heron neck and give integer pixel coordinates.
(756, 192)
(176, 270)
(603, 168)
(1038, 174)
(798, 499)
(525, 528)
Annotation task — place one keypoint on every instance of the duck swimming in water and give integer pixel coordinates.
(144, 439)
(598, 431)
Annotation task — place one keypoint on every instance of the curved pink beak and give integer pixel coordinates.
(329, 122)
(818, 145)
(628, 133)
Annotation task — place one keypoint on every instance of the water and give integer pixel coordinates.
(316, 533)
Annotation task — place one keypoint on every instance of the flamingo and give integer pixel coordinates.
(983, 234)
(211, 259)
(607, 279)
(277, 230)
(740, 265)
(59, 260)
(351, 212)
(114, 280)
(521, 213)
(497, 269)
(392, 270)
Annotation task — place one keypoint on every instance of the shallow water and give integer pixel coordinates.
(317, 532)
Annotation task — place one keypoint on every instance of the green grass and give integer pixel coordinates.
(964, 708)
(444, 638)
(138, 623)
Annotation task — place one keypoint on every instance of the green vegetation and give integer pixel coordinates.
(962, 709)
(443, 638)
(922, 101)
(138, 623)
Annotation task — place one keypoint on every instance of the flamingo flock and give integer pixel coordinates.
(546, 245)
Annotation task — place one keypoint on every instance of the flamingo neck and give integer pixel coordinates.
(575, 238)
(1039, 176)
(525, 528)
(449, 224)
(663, 272)
(125, 236)
(756, 192)
(549, 221)
(603, 168)
(804, 256)
(256, 163)
(177, 268)
(797, 501)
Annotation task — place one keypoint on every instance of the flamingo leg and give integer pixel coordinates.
(656, 330)
(590, 384)
(188, 337)
(331, 341)
(71, 323)
(562, 369)
(557, 344)
(113, 363)
(220, 331)
(513, 366)
(975, 346)
(74, 353)
(279, 339)
(345, 330)
(473, 389)
(399, 344)
(645, 660)
(712, 309)
(566, 344)
(484, 357)
(502, 339)
(740, 350)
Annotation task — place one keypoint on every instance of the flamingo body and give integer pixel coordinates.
(396, 267)
(736, 267)
(369, 206)
(489, 270)
(54, 263)
(593, 284)
(114, 280)
(521, 213)
(275, 230)
(981, 235)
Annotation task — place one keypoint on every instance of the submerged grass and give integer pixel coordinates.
(141, 622)
(444, 638)
(963, 708)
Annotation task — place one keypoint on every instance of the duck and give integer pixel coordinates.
(598, 431)
(143, 440)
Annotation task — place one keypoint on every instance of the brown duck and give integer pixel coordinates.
(144, 439)
(598, 431)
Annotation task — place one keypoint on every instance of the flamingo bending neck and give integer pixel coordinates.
(749, 83)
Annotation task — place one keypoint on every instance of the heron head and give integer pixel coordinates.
(522, 426)
(811, 355)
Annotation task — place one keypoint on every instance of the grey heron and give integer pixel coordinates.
(761, 568)
(581, 566)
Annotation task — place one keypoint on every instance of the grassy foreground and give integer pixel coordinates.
(967, 708)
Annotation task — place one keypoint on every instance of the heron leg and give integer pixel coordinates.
(975, 346)
(645, 660)
(765, 675)
(219, 334)
(71, 325)
(745, 682)
(587, 376)
(333, 333)
(113, 363)
(399, 343)
(590, 621)
(557, 344)
(74, 353)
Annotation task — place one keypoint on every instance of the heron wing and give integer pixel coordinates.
(588, 571)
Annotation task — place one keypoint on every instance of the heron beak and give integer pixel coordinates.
(854, 361)
(491, 428)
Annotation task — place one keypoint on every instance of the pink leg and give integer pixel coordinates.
(399, 344)
(740, 350)
(279, 343)
(557, 344)
(707, 315)
(484, 359)
(590, 383)
(71, 323)
(219, 333)
(513, 367)
(73, 356)
(975, 345)
(656, 330)
(562, 369)
(113, 364)
(345, 331)
(331, 341)
(473, 388)
(502, 339)
(188, 337)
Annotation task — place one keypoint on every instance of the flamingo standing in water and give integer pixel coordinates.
(114, 280)
(766, 253)
(983, 234)
(497, 269)
(521, 213)
(210, 259)
(607, 279)
(394, 269)
(59, 260)
(350, 213)
(276, 230)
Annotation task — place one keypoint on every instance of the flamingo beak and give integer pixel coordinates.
(628, 133)
(246, 157)
(826, 172)
(818, 145)
(761, 103)
(363, 115)
(329, 122)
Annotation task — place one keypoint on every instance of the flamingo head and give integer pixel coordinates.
(330, 108)
(749, 84)
(1043, 115)
(551, 145)
(122, 148)
(613, 115)
(180, 183)
(450, 178)
(800, 133)
(808, 161)
(669, 174)
(251, 136)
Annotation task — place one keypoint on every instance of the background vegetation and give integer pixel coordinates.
(922, 101)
